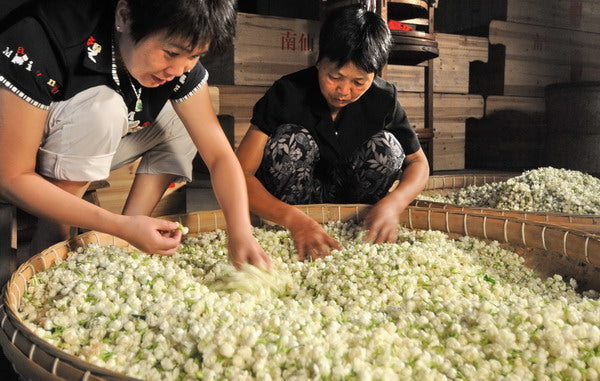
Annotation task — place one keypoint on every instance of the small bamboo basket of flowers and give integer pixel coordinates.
(564, 197)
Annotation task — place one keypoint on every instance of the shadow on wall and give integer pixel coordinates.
(507, 140)
(573, 118)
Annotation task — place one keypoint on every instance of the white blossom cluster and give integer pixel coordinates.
(539, 190)
(425, 308)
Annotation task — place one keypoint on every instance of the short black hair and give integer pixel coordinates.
(197, 21)
(353, 34)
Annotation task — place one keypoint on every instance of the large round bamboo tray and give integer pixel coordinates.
(444, 184)
(548, 248)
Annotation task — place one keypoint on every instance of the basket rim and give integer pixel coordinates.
(415, 217)
(591, 219)
(449, 181)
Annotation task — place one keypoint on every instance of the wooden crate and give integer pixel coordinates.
(509, 137)
(533, 57)
(265, 49)
(450, 113)
(450, 69)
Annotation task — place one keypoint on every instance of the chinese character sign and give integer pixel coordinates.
(291, 41)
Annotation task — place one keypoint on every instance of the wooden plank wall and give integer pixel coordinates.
(468, 17)
(286, 45)
(452, 103)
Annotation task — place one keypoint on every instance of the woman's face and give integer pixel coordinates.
(157, 58)
(342, 86)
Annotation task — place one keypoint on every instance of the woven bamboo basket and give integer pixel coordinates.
(444, 184)
(546, 247)
(449, 183)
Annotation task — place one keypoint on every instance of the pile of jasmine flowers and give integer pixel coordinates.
(539, 190)
(424, 308)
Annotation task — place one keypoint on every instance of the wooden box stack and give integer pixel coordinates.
(268, 47)
(533, 44)
(452, 103)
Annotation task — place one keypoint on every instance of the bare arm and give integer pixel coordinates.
(226, 175)
(309, 237)
(21, 129)
(382, 220)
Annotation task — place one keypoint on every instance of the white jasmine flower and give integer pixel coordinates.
(544, 189)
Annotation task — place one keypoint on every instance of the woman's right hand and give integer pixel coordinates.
(310, 238)
(151, 235)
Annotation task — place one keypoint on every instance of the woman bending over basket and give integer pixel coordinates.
(90, 86)
(334, 133)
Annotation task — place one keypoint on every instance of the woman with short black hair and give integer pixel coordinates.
(90, 86)
(334, 133)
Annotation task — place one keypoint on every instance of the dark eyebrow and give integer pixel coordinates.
(351, 78)
(179, 46)
(185, 49)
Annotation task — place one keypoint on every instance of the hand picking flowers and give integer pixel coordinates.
(539, 190)
(425, 308)
(184, 229)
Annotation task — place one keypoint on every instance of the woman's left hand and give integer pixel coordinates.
(382, 222)
(245, 249)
